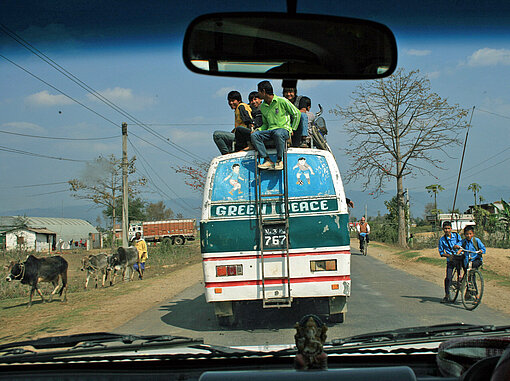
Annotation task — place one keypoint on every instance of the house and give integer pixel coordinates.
(64, 230)
(492, 208)
(28, 239)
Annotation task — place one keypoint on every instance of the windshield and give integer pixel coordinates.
(207, 264)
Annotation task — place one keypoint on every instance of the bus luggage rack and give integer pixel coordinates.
(274, 233)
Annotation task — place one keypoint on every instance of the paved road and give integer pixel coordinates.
(382, 298)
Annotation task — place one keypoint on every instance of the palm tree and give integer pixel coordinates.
(475, 188)
(434, 189)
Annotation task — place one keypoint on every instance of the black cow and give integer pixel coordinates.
(124, 259)
(95, 265)
(35, 270)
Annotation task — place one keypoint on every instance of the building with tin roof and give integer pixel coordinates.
(65, 229)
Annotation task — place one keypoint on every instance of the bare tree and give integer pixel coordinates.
(195, 176)
(101, 183)
(394, 126)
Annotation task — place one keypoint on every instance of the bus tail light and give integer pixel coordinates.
(218, 290)
(229, 270)
(335, 286)
(324, 265)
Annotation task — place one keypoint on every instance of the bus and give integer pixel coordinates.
(302, 251)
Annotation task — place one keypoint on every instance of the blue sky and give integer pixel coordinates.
(151, 82)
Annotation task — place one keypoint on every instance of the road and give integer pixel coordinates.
(382, 298)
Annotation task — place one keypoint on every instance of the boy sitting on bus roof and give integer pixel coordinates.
(242, 120)
(300, 136)
(277, 113)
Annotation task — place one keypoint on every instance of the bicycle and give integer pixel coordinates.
(470, 285)
(364, 244)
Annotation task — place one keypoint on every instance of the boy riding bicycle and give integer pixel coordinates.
(472, 247)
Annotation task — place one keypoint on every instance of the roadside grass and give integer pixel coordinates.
(162, 259)
(432, 261)
(417, 256)
(492, 276)
(408, 254)
(83, 306)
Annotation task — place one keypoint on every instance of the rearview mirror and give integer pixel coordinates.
(289, 46)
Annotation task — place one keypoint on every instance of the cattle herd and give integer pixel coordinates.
(52, 269)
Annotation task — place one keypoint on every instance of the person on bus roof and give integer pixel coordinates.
(242, 134)
(255, 102)
(277, 113)
(300, 137)
(290, 93)
(242, 119)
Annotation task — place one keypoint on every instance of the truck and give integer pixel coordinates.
(177, 231)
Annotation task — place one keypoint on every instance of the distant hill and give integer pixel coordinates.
(374, 205)
(420, 198)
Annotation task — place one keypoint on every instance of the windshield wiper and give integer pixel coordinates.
(89, 342)
(222, 351)
(429, 333)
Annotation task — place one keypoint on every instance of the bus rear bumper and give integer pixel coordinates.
(239, 291)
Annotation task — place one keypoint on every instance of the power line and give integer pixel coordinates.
(56, 138)
(484, 169)
(159, 148)
(183, 124)
(60, 91)
(21, 152)
(46, 193)
(88, 108)
(184, 203)
(33, 185)
(493, 113)
(92, 91)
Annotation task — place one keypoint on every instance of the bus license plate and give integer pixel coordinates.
(275, 237)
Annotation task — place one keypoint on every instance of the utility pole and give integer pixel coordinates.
(125, 218)
(408, 215)
(366, 213)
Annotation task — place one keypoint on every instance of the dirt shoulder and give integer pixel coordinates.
(427, 264)
(101, 309)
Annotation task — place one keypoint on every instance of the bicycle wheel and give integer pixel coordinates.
(472, 289)
(365, 247)
(453, 291)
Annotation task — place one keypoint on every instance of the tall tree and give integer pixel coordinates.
(136, 209)
(395, 125)
(434, 189)
(158, 211)
(101, 183)
(475, 188)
